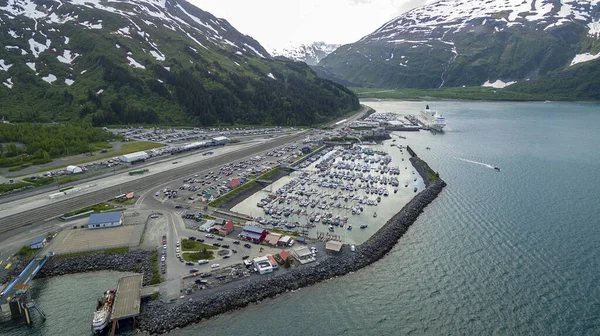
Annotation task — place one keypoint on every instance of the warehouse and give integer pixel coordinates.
(106, 219)
(134, 157)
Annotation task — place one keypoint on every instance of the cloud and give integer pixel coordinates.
(277, 23)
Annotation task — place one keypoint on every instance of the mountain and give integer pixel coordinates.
(477, 42)
(149, 61)
(310, 54)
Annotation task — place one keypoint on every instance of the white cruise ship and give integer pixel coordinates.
(430, 118)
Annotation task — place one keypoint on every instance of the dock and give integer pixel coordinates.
(127, 300)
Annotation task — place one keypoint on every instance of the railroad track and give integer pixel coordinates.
(59, 208)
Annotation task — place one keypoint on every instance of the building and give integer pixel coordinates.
(234, 183)
(253, 234)
(284, 255)
(220, 140)
(226, 228)
(284, 241)
(134, 157)
(272, 239)
(263, 265)
(303, 254)
(272, 261)
(333, 246)
(106, 219)
(207, 226)
(38, 243)
(73, 170)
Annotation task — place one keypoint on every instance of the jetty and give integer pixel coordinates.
(130, 291)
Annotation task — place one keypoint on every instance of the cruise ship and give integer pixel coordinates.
(429, 118)
(103, 311)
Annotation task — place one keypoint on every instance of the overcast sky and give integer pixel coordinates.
(280, 23)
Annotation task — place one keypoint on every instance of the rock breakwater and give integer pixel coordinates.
(157, 317)
(132, 261)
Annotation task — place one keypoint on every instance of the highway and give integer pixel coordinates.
(60, 207)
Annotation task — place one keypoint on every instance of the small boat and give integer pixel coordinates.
(427, 148)
(497, 169)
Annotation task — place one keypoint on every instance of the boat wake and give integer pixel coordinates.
(479, 163)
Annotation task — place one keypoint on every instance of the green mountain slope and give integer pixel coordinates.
(473, 43)
(149, 62)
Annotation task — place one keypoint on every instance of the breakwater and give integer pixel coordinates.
(132, 261)
(157, 317)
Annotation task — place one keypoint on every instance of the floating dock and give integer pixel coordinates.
(127, 300)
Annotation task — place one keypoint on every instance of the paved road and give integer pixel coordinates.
(58, 208)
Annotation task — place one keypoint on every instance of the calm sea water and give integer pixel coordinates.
(514, 252)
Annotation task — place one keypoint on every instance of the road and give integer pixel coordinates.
(58, 208)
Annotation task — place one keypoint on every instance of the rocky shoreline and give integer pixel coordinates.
(132, 261)
(157, 317)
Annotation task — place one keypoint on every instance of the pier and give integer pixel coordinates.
(127, 300)
(16, 297)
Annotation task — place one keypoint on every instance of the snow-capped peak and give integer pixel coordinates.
(310, 53)
(455, 15)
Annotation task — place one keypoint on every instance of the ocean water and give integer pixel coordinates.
(515, 252)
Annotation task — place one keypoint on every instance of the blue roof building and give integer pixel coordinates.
(106, 219)
(38, 243)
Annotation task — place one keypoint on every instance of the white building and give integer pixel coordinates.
(73, 170)
(106, 219)
(207, 226)
(263, 265)
(220, 140)
(134, 157)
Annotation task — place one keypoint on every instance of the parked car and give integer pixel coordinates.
(236, 242)
(200, 240)
(208, 235)
(214, 266)
(234, 250)
(245, 257)
(194, 270)
(247, 245)
(225, 246)
(226, 256)
(202, 261)
(217, 244)
(192, 238)
(219, 238)
(189, 263)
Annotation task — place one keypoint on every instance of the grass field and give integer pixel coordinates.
(190, 245)
(195, 256)
(96, 207)
(463, 93)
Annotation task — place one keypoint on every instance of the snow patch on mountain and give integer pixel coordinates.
(50, 78)
(37, 48)
(135, 64)
(580, 58)
(69, 81)
(498, 84)
(4, 66)
(67, 57)
(31, 65)
(158, 55)
(8, 83)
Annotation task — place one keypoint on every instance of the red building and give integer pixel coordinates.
(253, 234)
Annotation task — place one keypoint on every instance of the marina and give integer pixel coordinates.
(359, 187)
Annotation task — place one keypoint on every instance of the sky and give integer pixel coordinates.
(282, 23)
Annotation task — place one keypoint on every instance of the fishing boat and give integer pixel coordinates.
(103, 311)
